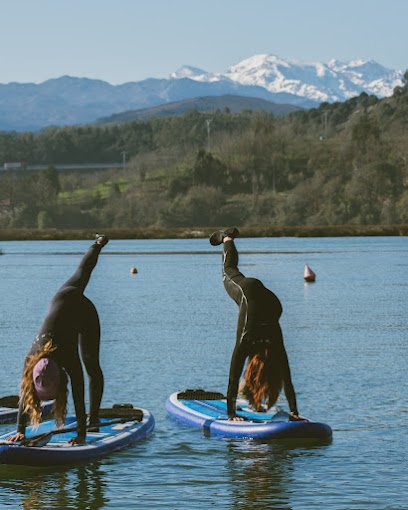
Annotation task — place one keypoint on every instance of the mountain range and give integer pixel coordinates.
(70, 100)
(334, 81)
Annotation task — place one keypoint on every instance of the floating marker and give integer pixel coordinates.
(133, 270)
(308, 274)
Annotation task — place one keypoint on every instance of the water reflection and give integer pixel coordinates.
(80, 488)
(263, 474)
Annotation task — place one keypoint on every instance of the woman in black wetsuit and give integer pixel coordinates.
(259, 337)
(72, 321)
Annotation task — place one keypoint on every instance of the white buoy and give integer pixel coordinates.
(308, 274)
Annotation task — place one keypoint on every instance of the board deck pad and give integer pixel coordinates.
(217, 409)
(122, 432)
(210, 414)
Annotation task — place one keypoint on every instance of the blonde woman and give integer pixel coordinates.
(72, 321)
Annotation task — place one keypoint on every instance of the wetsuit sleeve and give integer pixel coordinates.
(287, 383)
(236, 367)
(75, 372)
(22, 419)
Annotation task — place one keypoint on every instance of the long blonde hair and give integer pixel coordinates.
(28, 395)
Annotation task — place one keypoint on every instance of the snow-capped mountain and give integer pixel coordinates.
(69, 100)
(317, 81)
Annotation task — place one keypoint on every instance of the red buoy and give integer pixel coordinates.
(133, 270)
(308, 274)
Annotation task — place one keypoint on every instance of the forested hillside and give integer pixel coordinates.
(342, 163)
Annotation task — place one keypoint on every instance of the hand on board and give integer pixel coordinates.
(296, 417)
(234, 417)
(77, 440)
(17, 437)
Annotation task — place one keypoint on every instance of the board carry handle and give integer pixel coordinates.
(200, 394)
(9, 401)
(122, 411)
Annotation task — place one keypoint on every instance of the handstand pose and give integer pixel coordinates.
(72, 321)
(259, 337)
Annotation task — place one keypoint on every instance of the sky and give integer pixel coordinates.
(131, 40)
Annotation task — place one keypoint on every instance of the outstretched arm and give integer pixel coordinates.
(288, 385)
(22, 420)
(236, 367)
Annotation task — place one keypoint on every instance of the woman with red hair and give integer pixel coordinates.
(259, 337)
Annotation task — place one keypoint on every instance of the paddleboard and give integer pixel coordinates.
(58, 451)
(208, 410)
(9, 408)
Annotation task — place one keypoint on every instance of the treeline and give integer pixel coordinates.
(106, 143)
(342, 163)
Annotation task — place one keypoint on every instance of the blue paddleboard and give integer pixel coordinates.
(9, 408)
(208, 410)
(124, 431)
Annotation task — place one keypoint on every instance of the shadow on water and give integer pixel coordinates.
(262, 475)
(80, 488)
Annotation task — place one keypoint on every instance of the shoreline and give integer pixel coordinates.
(203, 232)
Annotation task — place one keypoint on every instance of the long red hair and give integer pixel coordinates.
(263, 378)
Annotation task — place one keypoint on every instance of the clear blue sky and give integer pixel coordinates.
(129, 40)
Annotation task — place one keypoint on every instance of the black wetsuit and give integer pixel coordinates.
(258, 326)
(72, 321)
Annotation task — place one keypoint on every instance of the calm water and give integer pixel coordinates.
(172, 326)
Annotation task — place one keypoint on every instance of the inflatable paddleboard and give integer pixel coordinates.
(9, 408)
(127, 425)
(208, 410)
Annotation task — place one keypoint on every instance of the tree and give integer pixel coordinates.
(208, 170)
(44, 220)
(52, 177)
(199, 207)
(405, 79)
(365, 132)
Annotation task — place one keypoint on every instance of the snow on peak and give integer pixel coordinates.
(195, 73)
(257, 62)
(335, 80)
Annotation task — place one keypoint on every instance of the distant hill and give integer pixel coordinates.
(70, 100)
(235, 104)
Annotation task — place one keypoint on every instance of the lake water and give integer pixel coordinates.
(172, 326)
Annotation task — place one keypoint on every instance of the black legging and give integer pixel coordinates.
(71, 322)
(258, 321)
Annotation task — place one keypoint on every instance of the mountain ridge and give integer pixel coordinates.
(234, 103)
(69, 100)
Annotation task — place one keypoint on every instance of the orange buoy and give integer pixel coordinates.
(308, 274)
(133, 270)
